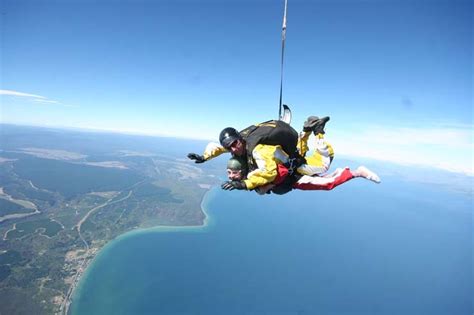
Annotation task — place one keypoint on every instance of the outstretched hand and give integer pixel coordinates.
(234, 184)
(196, 157)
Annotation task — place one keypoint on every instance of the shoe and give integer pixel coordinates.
(310, 123)
(319, 125)
(368, 174)
(315, 124)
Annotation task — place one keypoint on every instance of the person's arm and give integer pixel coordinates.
(266, 172)
(212, 150)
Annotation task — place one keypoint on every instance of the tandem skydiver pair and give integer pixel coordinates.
(271, 157)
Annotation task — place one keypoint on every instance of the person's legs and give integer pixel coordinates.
(364, 172)
(336, 178)
(303, 143)
(320, 160)
(323, 154)
(326, 182)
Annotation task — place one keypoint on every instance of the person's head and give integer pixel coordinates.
(236, 168)
(231, 140)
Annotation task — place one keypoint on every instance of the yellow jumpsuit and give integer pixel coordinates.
(267, 157)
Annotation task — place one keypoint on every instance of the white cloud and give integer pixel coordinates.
(445, 148)
(419, 136)
(21, 94)
(43, 101)
(30, 97)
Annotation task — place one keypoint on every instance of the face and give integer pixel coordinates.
(234, 174)
(237, 148)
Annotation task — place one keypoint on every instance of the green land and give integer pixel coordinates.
(58, 211)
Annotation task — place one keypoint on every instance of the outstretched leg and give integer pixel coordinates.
(327, 182)
(320, 160)
(336, 178)
(364, 172)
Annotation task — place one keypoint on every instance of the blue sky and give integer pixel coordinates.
(395, 76)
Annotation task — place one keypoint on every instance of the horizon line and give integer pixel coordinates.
(90, 129)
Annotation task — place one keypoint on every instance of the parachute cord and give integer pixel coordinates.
(283, 37)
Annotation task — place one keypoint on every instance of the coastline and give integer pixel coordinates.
(95, 253)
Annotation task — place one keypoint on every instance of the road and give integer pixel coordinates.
(67, 301)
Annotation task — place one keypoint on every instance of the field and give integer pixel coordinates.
(70, 179)
(86, 189)
(8, 207)
(42, 227)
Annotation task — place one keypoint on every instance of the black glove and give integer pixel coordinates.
(234, 184)
(196, 157)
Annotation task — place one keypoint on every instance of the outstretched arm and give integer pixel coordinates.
(212, 150)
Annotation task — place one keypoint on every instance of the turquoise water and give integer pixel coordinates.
(394, 248)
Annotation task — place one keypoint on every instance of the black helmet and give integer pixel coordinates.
(228, 136)
(237, 164)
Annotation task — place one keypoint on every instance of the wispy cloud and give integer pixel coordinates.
(15, 93)
(445, 148)
(32, 97)
(45, 101)
(20, 94)
(452, 137)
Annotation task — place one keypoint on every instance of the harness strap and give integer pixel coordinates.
(290, 165)
(293, 163)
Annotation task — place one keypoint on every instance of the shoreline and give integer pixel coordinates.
(97, 252)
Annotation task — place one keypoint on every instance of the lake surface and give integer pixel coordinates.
(394, 248)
